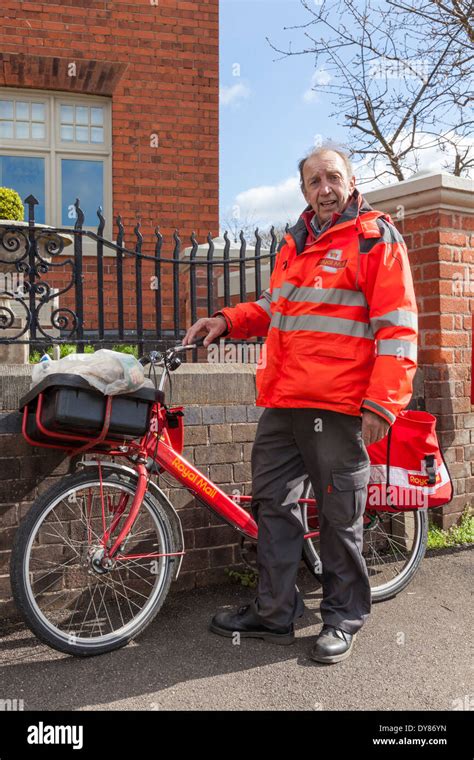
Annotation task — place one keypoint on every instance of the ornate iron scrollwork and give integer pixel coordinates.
(27, 256)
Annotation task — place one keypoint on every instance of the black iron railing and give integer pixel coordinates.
(48, 297)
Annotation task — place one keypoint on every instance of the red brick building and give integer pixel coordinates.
(115, 103)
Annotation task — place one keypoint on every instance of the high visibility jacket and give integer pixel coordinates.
(340, 318)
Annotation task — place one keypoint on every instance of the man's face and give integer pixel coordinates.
(326, 184)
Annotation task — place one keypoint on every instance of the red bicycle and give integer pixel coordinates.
(94, 558)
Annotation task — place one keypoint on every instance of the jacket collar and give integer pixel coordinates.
(306, 230)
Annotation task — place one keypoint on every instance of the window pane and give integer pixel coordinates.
(97, 135)
(6, 109)
(37, 112)
(83, 180)
(97, 117)
(67, 114)
(82, 115)
(22, 111)
(26, 176)
(67, 133)
(37, 131)
(6, 129)
(22, 130)
(82, 134)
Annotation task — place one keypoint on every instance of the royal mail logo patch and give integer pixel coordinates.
(333, 261)
(421, 480)
(334, 264)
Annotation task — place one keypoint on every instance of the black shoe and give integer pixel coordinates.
(332, 645)
(247, 625)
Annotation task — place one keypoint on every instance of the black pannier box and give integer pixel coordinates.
(71, 405)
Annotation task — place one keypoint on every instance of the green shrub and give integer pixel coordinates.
(70, 348)
(248, 577)
(35, 356)
(127, 350)
(456, 535)
(11, 206)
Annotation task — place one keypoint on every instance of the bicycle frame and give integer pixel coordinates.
(123, 515)
(156, 447)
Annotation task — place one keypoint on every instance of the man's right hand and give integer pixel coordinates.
(213, 326)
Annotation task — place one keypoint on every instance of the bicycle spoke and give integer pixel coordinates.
(112, 586)
(377, 569)
(74, 611)
(118, 606)
(105, 608)
(66, 539)
(379, 557)
(135, 573)
(49, 573)
(53, 600)
(88, 608)
(79, 600)
(128, 599)
(134, 591)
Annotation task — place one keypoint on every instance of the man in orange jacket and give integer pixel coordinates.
(337, 367)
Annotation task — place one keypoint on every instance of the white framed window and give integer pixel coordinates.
(22, 119)
(58, 147)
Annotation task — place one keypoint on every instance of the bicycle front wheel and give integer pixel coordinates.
(394, 545)
(71, 599)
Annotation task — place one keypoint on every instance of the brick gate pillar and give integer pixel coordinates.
(435, 214)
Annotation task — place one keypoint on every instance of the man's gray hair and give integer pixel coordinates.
(324, 148)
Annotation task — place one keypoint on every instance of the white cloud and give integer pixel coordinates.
(310, 96)
(284, 202)
(272, 204)
(233, 94)
(319, 78)
(426, 157)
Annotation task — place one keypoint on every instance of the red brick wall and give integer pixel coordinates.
(159, 65)
(441, 247)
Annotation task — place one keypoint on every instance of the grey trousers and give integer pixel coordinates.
(290, 445)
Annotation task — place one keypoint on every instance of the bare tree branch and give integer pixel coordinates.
(398, 70)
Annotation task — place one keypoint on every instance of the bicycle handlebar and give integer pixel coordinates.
(167, 357)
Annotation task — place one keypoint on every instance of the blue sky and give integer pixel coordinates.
(266, 125)
(269, 118)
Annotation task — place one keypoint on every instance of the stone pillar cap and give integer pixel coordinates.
(424, 191)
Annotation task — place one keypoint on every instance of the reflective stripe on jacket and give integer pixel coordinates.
(340, 318)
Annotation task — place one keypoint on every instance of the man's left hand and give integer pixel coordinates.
(374, 427)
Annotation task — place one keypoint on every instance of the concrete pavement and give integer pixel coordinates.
(413, 654)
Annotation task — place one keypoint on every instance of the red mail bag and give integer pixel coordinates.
(408, 470)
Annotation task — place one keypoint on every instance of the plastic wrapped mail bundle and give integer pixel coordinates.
(110, 372)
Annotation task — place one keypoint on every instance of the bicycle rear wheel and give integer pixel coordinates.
(394, 545)
(66, 596)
